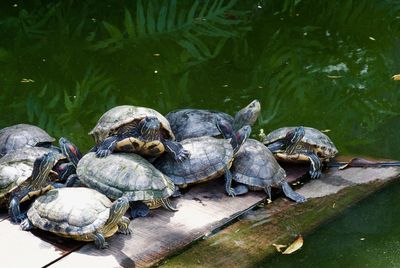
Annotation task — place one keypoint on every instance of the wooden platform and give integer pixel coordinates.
(202, 210)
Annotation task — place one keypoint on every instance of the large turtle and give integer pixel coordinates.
(79, 213)
(301, 144)
(21, 135)
(128, 175)
(191, 123)
(255, 168)
(209, 158)
(135, 129)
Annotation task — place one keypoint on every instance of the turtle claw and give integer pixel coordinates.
(102, 153)
(26, 225)
(232, 192)
(315, 174)
(182, 155)
(126, 231)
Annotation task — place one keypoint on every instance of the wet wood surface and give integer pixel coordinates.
(203, 209)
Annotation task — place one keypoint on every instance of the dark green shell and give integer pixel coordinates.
(208, 158)
(124, 174)
(255, 165)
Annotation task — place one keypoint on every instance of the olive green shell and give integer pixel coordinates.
(16, 167)
(21, 135)
(124, 174)
(121, 115)
(71, 212)
(208, 158)
(313, 140)
(255, 165)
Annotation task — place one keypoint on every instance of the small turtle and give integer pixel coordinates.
(79, 213)
(128, 175)
(209, 158)
(192, 123)
(21, 135)
(135, 129)
(301, 144)
(255, 168)
(30, 171)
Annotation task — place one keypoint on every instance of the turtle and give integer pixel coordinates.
(210, 158)
(295, 144)
(21, 135)
(192, 123)
(79, 213)
(255, 168)
(30, 171)
(136, 129)
(129, 175)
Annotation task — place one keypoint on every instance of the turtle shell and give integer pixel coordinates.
(21, 135)
(208, 158)
(71, 212)
(191, 123)
(124, 114)
(255, 165)
(313, 139)
(124, 174)
(16, 168)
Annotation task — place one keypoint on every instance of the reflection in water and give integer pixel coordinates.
(325, 64)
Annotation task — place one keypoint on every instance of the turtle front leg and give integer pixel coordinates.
(100, 241)
(228, 182)
(316, 164)
(26, 225)
(288, 191)
(107, 146)
(123, 226)
(14, 209)
(176, 150)
(276, 146)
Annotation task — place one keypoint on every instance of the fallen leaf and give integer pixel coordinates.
(296, 245)
(279, 247)
(396, 77)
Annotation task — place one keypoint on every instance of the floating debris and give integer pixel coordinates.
(156, 54)
(296, 245)
(279, 247)
(371, 38)
(362, 238)
(326, 130)
(396, 77)
(27, 80)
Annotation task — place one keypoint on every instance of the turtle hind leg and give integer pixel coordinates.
(241, 189)
(167, 205)
(107, 146)
(176, 150)
(139, 209)
(288, 191)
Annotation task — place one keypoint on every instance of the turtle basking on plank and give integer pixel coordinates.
(22, 135)
(192, 123)
(136, 129)
(128, 175)
(79, 213)
(210, 158)
(299, 144)
(255, 168)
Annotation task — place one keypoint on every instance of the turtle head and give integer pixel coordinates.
(41, 169)
(293, 137)
(150, 128)
(70, 151)
(248, 115)
(117, 210)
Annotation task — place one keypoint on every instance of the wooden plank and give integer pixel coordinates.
(201, 210)
(25, 249)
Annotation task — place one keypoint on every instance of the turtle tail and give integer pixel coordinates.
(167, 205)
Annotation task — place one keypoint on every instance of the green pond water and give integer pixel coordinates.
(324, 64)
